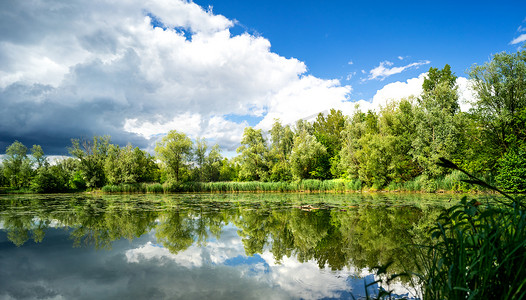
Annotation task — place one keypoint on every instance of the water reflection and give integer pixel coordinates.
(203, 246)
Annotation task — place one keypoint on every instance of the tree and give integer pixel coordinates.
(353, 140)
(306, 156)
(3, 181)
(500, 86)
(396, 123)
(253, 155)
(38, 156)
(91, 155)
(437, 126)
(328, 131)
(17, 166)
(200, 150)
(175, 152)
(213, 164)
(282, 139)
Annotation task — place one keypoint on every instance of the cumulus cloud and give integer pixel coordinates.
(395, 91)
(386, 69)
(304, 97)
(137, 69)
(521, 38)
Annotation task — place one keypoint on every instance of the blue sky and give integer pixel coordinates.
(137, 69)
(327, 35)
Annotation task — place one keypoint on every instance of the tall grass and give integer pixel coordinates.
(450, 182)
(309, 185)
(479, 253)
(478, 250)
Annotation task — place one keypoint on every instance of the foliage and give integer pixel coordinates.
(306, 156)
(174, 151)
(129, 165)
(478, 251)
(501, 96)
(328, 131)
(512, 170)
(282, 139)
(437, 131)
(253, 155)
(17, 165)
(91, 155)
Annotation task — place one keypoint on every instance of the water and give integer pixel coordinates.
(208, 246)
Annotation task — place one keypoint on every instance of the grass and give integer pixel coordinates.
(451, 182)
(478, 250)
(309, 185)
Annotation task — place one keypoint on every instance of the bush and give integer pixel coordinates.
(512, 170)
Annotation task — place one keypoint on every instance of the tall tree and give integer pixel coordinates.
(38, 156)
(213, 164)
(306, 157)
(500, 86)
(253, 155)
(175, 152)
(91, 155)
(500, 111)
(282, 139)
(200, 150)
(436, 124)
(328, 131)
(17, 166)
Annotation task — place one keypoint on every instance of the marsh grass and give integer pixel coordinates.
(308, 185)
(478, 250)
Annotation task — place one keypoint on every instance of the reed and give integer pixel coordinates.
(478, 250)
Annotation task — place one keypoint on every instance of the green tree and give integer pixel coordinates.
(17, 165)
(38, 156)
(437, 125)
(282, 140)
(355, 135)
(229, 170)
(175, 152)
(253, 155)
(128, 165)
(3, 181)
(200, 150)
(328, 131)
(306, 157)
(396, 125)
(213, 164)
(500, 86)
(91, 155)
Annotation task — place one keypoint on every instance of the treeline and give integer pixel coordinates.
(394, 148)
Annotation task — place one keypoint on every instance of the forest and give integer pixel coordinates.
(396, 148)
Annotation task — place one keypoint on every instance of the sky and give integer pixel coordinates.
(137, 69)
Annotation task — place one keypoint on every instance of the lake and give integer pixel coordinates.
(210, 246)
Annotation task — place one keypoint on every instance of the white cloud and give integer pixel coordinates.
(304, 97)
(385, 69)
(391, 92)
(350, 75)
(466, 94)
(77, 69)
(394, 92)
(521, 38)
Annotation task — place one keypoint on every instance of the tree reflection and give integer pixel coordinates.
(361, 237)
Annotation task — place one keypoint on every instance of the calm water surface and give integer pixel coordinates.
(208, 246)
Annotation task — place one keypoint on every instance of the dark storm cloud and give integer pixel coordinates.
(74, 69)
